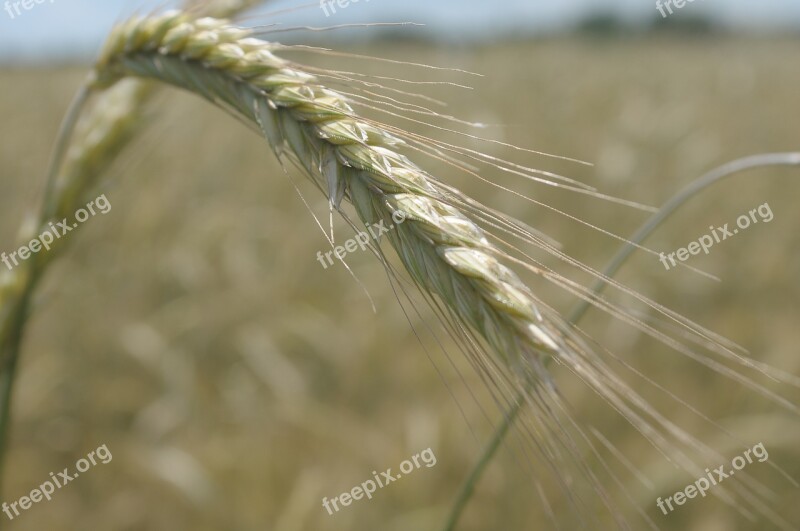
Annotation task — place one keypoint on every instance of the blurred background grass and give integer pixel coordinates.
(236, 382)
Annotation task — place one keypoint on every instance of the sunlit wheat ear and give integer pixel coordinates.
(444, 251)
(441, 245)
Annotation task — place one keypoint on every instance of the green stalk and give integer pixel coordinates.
(10, 348)
(10, 355)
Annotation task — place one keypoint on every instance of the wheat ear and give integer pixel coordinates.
(444, 251)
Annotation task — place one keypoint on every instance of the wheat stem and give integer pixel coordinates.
(678, 200)
(62, 141)
(9, 351)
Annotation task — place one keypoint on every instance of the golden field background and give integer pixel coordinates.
(237, 382)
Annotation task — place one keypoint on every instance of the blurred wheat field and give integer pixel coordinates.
(237, 382)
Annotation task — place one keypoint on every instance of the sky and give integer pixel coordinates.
(53, 29)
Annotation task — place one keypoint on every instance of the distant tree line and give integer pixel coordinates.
(610, 24)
